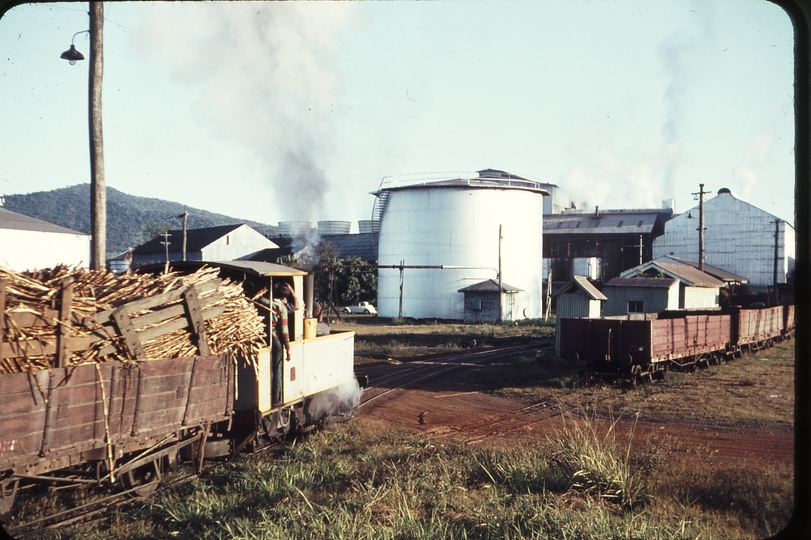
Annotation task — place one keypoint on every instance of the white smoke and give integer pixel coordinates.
(339, 401)
(681, 57)
(259, 74)
(759, 151)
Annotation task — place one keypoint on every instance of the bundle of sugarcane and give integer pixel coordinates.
(86, 322)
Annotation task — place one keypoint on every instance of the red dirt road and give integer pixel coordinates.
(433, 409)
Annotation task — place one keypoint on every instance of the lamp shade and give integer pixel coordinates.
(72, 55)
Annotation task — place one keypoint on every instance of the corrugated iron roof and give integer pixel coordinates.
(363, 245)
(641, 282)
(605, 222)
(196, 239)
(582, 283)
(684, 272)
(490, 285)
(714, 271)
(21, 222)
(255, 268)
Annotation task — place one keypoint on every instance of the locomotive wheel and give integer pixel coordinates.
(144, 479)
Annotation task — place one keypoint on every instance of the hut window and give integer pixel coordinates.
(476, 304)
(635, 306)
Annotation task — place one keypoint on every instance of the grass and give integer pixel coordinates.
(587, 479)
(361, 480)
(377, 339)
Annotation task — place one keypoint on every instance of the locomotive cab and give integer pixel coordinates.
(318, 380)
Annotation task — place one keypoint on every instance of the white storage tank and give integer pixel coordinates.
(366, 226)
(326, 228)
(454, 224)
(294, 228)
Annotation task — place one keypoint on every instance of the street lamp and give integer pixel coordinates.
(72, 55)
(98, 199)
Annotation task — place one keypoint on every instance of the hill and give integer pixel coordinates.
(131, 220)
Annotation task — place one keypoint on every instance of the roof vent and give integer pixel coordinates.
(724, 190)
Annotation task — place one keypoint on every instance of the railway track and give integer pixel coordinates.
(391, 379)
(385, 380)
(99, 509)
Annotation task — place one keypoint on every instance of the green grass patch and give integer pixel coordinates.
(360, 480)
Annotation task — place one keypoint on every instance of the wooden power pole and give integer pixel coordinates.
(98, 194)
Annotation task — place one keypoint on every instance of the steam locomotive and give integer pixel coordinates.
(130, 423)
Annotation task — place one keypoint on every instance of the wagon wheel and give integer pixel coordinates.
(143, 479)
(636, 375)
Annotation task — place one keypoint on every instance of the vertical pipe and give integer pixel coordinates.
(500, 287)
(402, 268)
(640, 250)
(98, 198)
(309, 281)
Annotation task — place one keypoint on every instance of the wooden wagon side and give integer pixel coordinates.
(788, 322)
(758, 328)
(99, 422)
(692, 338)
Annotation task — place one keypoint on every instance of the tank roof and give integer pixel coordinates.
(484, 179)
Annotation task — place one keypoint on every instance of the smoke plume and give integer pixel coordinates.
(259, 75)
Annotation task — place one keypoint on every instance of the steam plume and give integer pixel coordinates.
(259, 75)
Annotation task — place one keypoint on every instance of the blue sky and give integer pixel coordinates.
(296, 111)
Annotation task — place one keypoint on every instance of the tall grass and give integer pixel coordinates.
(363, 481)
(597, 462)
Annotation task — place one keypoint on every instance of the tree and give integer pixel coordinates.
(154, 228)
(343, 281)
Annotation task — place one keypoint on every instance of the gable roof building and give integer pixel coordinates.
(484, 302)
(222, 243)
(660, 285)
(28, 243)
(738, 237)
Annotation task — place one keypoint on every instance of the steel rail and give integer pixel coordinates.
(450, 366)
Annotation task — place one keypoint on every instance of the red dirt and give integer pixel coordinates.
(477, 417)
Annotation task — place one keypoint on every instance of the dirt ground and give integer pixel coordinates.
(438, 411)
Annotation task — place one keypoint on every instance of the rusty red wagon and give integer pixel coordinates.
(110, 421)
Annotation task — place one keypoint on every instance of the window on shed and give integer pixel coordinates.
(475, 304)
(635, 306)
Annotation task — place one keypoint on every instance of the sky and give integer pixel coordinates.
(297, 111)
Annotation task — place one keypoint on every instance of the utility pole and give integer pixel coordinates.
(776, 248)
(185, 216)
(98, 193)
(166, 243)
(701, 194)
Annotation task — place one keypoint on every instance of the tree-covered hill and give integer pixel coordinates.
(131, 220)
